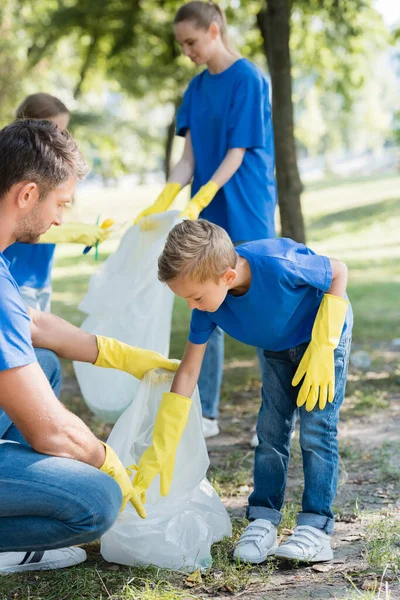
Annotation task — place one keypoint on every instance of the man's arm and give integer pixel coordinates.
(188, 372)
(66, 340)
(26, 396)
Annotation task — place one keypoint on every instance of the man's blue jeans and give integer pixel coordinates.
(48, 502)
(318, 441)
(210, 378)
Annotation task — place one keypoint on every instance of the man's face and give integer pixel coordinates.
(207, 296)
(45, 213)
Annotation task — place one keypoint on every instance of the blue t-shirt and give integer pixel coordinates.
(16, 348)
(232, 110)
(288, 282)
(31, 264)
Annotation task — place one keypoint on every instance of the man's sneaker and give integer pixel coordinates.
(14, 562)
(306, 544)
(210, 427)
(258, 541)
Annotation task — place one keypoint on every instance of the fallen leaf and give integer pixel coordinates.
(369, 584)
(194, 578)
(286, 531)
(323, 568)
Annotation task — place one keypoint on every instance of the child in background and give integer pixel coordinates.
(31, 264)
(225, 118)
(279, 296)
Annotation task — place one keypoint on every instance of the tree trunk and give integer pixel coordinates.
(274, 24)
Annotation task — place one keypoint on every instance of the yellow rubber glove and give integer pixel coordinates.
(159, 458)
(114, 467)
(75, 233)
(163, 202)
(135, 361)
(318, 363)
(199, 201)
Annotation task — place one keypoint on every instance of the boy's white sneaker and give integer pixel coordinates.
(210, 427)
(15, 562)
(306, 544)
(258, 541)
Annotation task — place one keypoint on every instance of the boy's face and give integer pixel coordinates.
(206, 296)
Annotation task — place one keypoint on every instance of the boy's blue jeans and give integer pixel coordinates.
(318, 441)
(50, 502)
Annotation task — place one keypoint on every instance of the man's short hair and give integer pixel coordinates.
(38, 151)
(199, 250)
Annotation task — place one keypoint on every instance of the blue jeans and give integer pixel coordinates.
(49, 502)
(318, 441)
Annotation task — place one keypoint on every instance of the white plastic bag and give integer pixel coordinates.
(180, 528)
(126, 301)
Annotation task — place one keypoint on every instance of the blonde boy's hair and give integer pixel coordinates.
(196, 249)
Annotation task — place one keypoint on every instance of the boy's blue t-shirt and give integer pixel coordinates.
(288, 282)
(31, 264)
(232, 110)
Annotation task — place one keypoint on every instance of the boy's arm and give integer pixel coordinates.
(188, 372)
(339, 278)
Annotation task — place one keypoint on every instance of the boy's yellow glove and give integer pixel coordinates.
(114, 467)
(159, 458)
(163, 202)
(199, 201)
(75, 233)
(135, 361)
(318, 362)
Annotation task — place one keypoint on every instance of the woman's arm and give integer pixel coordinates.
(182, 173)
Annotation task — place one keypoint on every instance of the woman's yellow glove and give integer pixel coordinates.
(75, 233)
(135, 361)
(163, 202)
(159, 458)
(318, 363)
(114, 467)
(199, 201)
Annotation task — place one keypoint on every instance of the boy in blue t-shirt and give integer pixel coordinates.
(279, 296)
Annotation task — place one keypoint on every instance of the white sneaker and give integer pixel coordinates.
(210, 427)
(258, 541)
(14, 562)
(306, 544)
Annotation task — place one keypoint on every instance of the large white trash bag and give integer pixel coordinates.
(180, 528)
(126, 301)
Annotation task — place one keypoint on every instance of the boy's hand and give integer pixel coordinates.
(159, 458)
(135, 361)
(318, 363)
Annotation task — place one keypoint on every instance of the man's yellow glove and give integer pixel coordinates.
(159, 458)
(199, 201)
(114, 467)
(75, 233)
(135, 361)
(318, 363)
(163, 202)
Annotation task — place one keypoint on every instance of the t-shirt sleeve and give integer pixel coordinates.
(183, 114)
(248, 116)
(311, 269)
(201, 327)
(16, 348)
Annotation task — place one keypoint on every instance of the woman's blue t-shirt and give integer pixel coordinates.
(31, 264)
(288, 282)
(232, 110)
